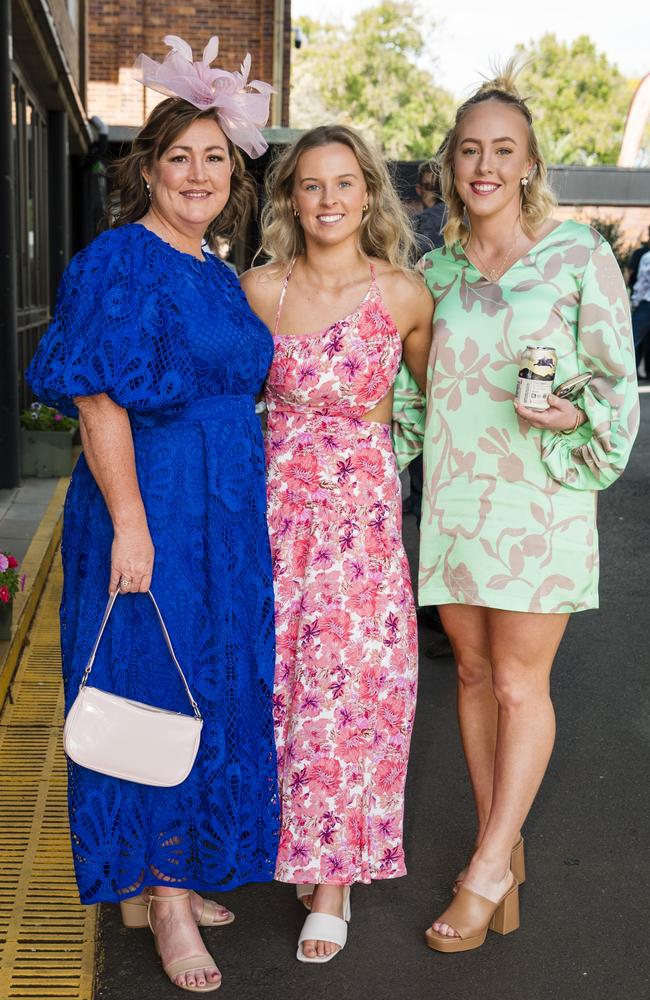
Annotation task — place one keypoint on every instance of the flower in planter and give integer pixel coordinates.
(45, 418)
(10, 581)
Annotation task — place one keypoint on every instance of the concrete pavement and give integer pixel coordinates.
(584, 905)
(21, 512)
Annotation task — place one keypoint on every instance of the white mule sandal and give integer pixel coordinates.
(325, 927)
(305, 890)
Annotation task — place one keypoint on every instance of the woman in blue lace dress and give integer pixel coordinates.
(154, 343)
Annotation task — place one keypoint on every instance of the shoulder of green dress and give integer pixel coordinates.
(441, 261)
(582, 234)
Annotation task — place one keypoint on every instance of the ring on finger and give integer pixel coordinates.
(125, 583)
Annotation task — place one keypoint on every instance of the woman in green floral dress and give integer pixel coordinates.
(509, 545)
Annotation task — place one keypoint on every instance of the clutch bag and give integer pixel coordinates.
(129, 739)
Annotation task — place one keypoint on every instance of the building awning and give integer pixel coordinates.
(274, 136)
(616, 186)
(40, 53)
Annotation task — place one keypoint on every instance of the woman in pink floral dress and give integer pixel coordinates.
(344, 311)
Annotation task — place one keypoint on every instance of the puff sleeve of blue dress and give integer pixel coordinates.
(115, 330)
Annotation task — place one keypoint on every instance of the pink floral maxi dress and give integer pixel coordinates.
(346, 663)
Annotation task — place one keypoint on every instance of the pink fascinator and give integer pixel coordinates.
(242, 107)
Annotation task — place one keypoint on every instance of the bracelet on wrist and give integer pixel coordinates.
(577, 424)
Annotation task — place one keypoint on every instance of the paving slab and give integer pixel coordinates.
(584, 905)
(21, 512)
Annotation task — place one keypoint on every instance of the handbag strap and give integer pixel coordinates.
(107, 613)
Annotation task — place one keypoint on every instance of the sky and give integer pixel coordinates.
(476, 32)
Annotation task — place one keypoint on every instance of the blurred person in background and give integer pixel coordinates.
(640, 302)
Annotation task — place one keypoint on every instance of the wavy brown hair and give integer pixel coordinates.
(537, 199)
(385, 231)
(163, 126)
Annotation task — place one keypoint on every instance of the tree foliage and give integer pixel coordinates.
(578, 98)
(369, 77)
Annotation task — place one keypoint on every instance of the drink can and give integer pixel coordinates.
(535, 380)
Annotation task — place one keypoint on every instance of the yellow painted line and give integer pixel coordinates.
(35, 566)
(47, 938)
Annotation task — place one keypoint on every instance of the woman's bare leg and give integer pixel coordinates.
(467, 629)
(522, 647)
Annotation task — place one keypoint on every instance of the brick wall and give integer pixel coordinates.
(120, 29)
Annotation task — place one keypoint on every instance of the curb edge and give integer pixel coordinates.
(36, 565)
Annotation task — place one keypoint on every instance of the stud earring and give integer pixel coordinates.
(524, 181)
(296, 213)
(365, 208)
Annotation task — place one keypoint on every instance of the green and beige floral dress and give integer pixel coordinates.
(509, 511)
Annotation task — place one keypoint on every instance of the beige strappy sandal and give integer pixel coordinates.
(193, 963)
(134, 912)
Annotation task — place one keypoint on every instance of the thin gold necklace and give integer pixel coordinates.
(494, 273)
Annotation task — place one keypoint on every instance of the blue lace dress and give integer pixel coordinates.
(171, 339)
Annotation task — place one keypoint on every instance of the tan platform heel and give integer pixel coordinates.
(518, 861)
(134, 913)
(517, 866)
(471, 916)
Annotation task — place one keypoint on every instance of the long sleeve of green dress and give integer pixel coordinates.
(509, 511)
(595, 455)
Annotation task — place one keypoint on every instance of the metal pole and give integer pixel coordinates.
(278, 62)
(9, 437)
(59, 197)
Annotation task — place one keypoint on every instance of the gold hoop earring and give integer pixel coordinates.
(365, 208)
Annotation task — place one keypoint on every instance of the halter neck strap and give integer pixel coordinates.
(282, 295)
(276, 328)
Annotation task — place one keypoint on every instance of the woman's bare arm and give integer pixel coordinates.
(417, 343)
(108, 447)
(262, 288)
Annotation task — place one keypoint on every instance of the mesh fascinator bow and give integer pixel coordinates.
(242, 107)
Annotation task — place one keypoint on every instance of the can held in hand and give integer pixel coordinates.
(535, 380)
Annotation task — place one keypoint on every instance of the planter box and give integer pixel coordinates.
(5, 620)
(46, 453)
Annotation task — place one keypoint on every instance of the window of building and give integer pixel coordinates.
(31, 219)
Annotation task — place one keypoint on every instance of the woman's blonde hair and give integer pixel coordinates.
(385, 230)
(537, 199)
(130, 201)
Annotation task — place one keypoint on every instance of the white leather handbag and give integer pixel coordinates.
(128, 739)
